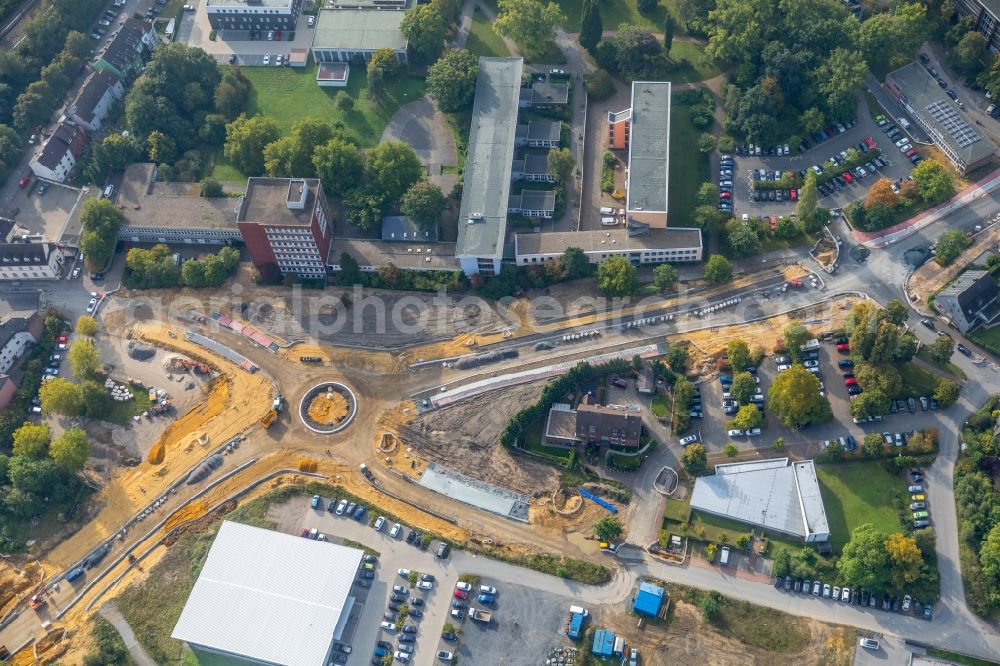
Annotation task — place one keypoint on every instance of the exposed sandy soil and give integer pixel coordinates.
(932, 277)
(464, 437)
(328, 408)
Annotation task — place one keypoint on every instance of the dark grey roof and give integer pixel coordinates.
(972, 290)
(93, 90)
(16, 310)
(538, 200)
(6, 225)
(539, 131)
(58, 145)
(402, 228)
(546, 92)
(25, 254)
(534, 164)
(123, 49)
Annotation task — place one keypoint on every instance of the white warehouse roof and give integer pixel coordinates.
(270, 597)
(768, 493)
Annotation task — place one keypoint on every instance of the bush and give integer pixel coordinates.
(600, 85)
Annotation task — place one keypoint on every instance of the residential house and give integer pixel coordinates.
(126, 55)
(538, 134)
(618, 425)
(99, 91)
(30, 260)
(532, 168)
(970, 301)
(560, 426)
(532, 203)
(544, 95)
(57, 157)
(20, 325)
(7, 390)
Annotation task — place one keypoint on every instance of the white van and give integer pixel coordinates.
(724, 558)
(608, 222)
(108, 191)
(607, 211)
(579, 609)
(904, 122)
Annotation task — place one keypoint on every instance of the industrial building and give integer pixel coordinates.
(768, 493)
(265, 597)
(916, 91)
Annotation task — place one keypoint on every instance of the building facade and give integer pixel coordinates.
(256, 15)
(970, 301)
(59, 154)
(286, 226)
(125, 56)
(985, 19)
(20, 326)
(100, 90)
(353, 35)
(654, 246)
(533, 169)
(30, 261)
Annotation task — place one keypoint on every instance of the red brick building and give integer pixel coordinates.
(286, 226)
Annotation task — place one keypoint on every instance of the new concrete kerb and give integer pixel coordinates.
(315, 391)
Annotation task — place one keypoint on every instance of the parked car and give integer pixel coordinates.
(869, 643)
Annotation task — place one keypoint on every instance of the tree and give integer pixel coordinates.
(574, 263)
(343, 101)
(906, 348)
(795, 336)
(738, 353)
(695, 459)
(946, 392)
(950, 244)
(391, 168)
(748, 417)
(708, 194)
(364, 207)
(591, 26)
(246, 139)
(384, 60)
(989, 557)
(528, 22)
(291, 156)
(86, 325)
(101, 221)
(881, 194)
(83, 358)
(423, 203)
(884, 379)
(232, 94)
(971, 53)
(31, 441)
(600, 85)
(864, 561)
(872, 445)
(934, 181)
(742, 239)
(451, 80)
(710, 601)
(905, 560)
(794, 397)
(339, 164)
(71, 450)
(561, 163)
(608, 528)
(743, 387)
(211, 188)
(731, 450)
(870, 403)
(668, 32)
(941, 349)
(60, 397)
(807, 196)
(350, 270)
(637, 52)
(718, 269)
(677, 358)
(425, 27)
(616, 276)
(707, 142)
(664, 276)
(779, 444)
(896, 312)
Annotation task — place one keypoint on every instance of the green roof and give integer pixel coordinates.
(359, 29)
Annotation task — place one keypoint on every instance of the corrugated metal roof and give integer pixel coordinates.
(269, 596)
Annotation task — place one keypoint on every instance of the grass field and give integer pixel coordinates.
(771, 243)
(917, 381)
(288, 94)
(988, 338)
(684, 182)
(533, 443)
(712, 528)
(857, 493)
(948, 367)
(122, 412)
(616, 12)
(482, 40)
(660, 405)
(698, 69)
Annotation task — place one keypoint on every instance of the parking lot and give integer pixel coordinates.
(195, 29)
(746, 166)
(45, 213)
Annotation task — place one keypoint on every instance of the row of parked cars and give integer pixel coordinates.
(817, 588)
(726, 166)
(901, 140)
(414, 611)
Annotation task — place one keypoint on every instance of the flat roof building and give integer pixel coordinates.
(246, 15)
(348, 35)
(482, 219)
(539, 134)
(652, 246)
(918, 93)
(270, 598)
(768, 493)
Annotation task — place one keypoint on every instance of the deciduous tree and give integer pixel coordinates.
(718, 269)
(738, 353)
(664, 276)
(575, 263)
(423, 203)
(941, 349)
(451, 80)
(391, 168)
(616, 276)
(864, 561)
(934, 181)
(71, 450)
(425, 27)
(743, 387)
(60, 397)
(245, 142)
(748, 417)
(971, 54)
(31, 441)
(807, 196)
(884, 379)
(339, 164)
(950, 244)
(881, 193)
(528, 22)
(695, 460)
(86, 325)
(896, 312)
(83, 358)
(608, 528)
(905, 560)
(795, 335)
(794, 397)
(873, 445)
(946, 392)
(560, 164)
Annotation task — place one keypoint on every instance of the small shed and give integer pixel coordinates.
(649, 599)
(298, 58)
(333, 74)
(604, 643)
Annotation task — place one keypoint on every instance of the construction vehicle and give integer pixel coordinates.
(36, 602)
(480, 615)
(272, 414)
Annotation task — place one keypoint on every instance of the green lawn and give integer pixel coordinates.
(616, 12)
(288, 94)
(698, 69)
(988, 338)
(916, 381)
(959, 658)
(659, 405)
(122, 412)
(948, 367)
(677, 510)
(769, 243)
(712, 528)
(857, 493)
(687, 173)
(533, 442)
(482, 40)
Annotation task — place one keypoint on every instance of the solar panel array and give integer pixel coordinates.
(946, 115)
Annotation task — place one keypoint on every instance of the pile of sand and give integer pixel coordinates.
(328, 408)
